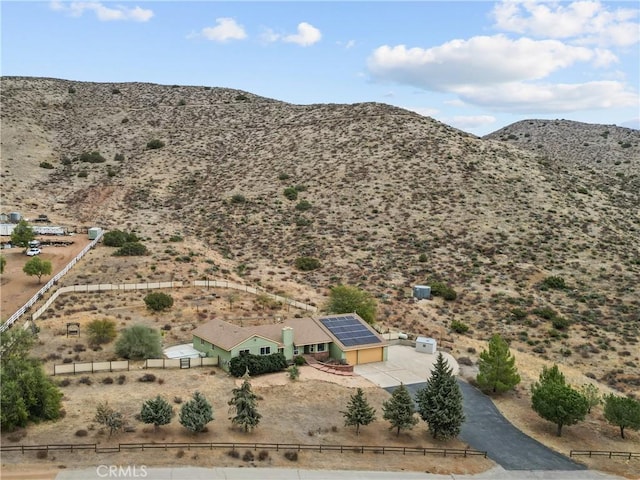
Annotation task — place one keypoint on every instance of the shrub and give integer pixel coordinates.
(154, 144)
(117, 238)
(303, 205)
(46, 165)
(459, 327)
(91, 157)
(257, 364)
(158, 301)
(306, 264)
(119, 157)
(299, 360)
(81, 433)
(238, 198)
(291, 456)
(107, 380)
(139, 342)
(294, 372)
(560, 323)
(423, 258)
(64, 382)
(83, 174)
(263, 455)
(131, 249)
(115, 91)
(176, 238)
(440, 289)
(233, 453)
(85, 381)
(42, 454)
(147, 377)
(248, 456)
(101, 331)
(71, 89)
(122, 379)
(291, 193)
(284, 176)
(553, 282)
(545, 312)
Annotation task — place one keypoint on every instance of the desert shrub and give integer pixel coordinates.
(46, 165)
(545, 312)
(107, 380)
(131, 249)
(423, 258)
(147, 377)
(560, 323)
(257, 364)
(294, 372)
(42, 454)
(79, 347)
(121, 379)
(263, 455)
(303, 205)
(291, 193)
(91, 157)
(238, 198)
(459, 327)
(248, 456)
(117, 238)
(155, 144)
(180, 454)
(81, 433)
(139, 342)
(119, 157)
(175, 238)
(71, 90)
(292, 456)
(440, 289)
(85, 381)
(284, 176)
(83, 174)
(465, 361)
(553, 282)
(233, 453)
(158, 301)
(306, 264)
(101, 331)
(115, 91)
(299, 360)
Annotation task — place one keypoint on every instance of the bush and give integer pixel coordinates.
(85, 381)
(291, 456)
(553, 282)
(46, 165)
(71, 89)
(257, 364)
(122, 379)
(83, 174)
(119, 157)
(117, 238)
(139, 342)
(81, 433)
(545, 312)
(233, 453)
(238, 198)
(155, 144)
(303, 205)
(107, 380)
(101, 331)
(291, 193)
(306, 264)
(263, 455)
(147, 377)
(299, 360)
(248, 456)
(131, 249)
(560, 323)
(284, 176)
(158, 301)
(440, 289)
(459, 327)
(91, 157)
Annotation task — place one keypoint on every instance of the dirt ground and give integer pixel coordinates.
(17, 287)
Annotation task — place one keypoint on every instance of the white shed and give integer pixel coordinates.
(426, 345)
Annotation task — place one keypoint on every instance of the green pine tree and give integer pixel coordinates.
(358, 412)
(556, 401)
(243, 403)
(196, 413)
(440, 402)
(399, 410)
(622, 412)
(156, 411)
(497, 369)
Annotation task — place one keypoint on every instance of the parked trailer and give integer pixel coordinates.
(48, 230)
(6, 228)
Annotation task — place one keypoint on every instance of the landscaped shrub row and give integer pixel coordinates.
(257, 364)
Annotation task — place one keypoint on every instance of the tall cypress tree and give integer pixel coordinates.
(440, 402)
(244, 404)
(497, 367)
(400, 409)
(358, 412)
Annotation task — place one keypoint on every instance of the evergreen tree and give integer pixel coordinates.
(196, 413)
(358, 412)
(622, 412)
(497, 369)
(156, 411)
(440, 402)
(243, 403)
(107, 416)
(399, 410)
(556, 401)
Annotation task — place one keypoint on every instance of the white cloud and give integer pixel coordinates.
(424, 111)
(481, 60)
(103, 13)
(466, 122)
(520, 97)
(307, 35)
(583, 21)
(226, 29)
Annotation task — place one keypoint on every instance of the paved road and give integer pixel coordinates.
(486, 429)
(194, 473)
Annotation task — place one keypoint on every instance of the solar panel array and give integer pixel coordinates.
(349, 330)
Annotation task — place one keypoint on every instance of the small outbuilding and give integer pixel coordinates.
(426, 345)
(422, 292)
(94, 232)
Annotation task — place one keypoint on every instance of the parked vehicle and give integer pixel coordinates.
(34, 251)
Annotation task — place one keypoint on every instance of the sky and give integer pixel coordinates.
(475, 65)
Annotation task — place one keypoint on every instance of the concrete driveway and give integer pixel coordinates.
(404, 365)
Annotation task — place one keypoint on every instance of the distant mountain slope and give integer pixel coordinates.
(386, 198)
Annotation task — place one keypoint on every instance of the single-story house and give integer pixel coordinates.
(346, 338)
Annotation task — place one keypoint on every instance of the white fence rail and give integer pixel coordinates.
(180, 362)
(21, 311)
(90, 367)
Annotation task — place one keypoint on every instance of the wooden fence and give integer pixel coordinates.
(601, 453)
(298, 447)
(90, 367)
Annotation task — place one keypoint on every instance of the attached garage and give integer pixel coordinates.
(354, 341)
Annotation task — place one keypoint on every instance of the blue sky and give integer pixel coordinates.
(474, 65)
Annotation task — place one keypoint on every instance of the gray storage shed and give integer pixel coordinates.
(426, 345)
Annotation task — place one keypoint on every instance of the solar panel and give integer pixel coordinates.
(349, 330)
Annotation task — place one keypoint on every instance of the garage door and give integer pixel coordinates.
(366, 355)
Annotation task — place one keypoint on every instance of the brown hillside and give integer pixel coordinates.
(383, 186)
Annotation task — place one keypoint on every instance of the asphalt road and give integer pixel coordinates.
(486, 429)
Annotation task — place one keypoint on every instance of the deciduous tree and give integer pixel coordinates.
(400, 410)
(38, 267)
(139, 342)
(348, 299)
(497, 367)
(358, 412)
(440, 402)
(110, 418)
(22, 234)
(622, 411)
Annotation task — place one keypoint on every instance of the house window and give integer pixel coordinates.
(296, 351)
(321, 347)
(265, 350)
(245, 352)
(312, 348)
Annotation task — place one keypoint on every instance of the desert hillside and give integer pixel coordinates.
(385, 199)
